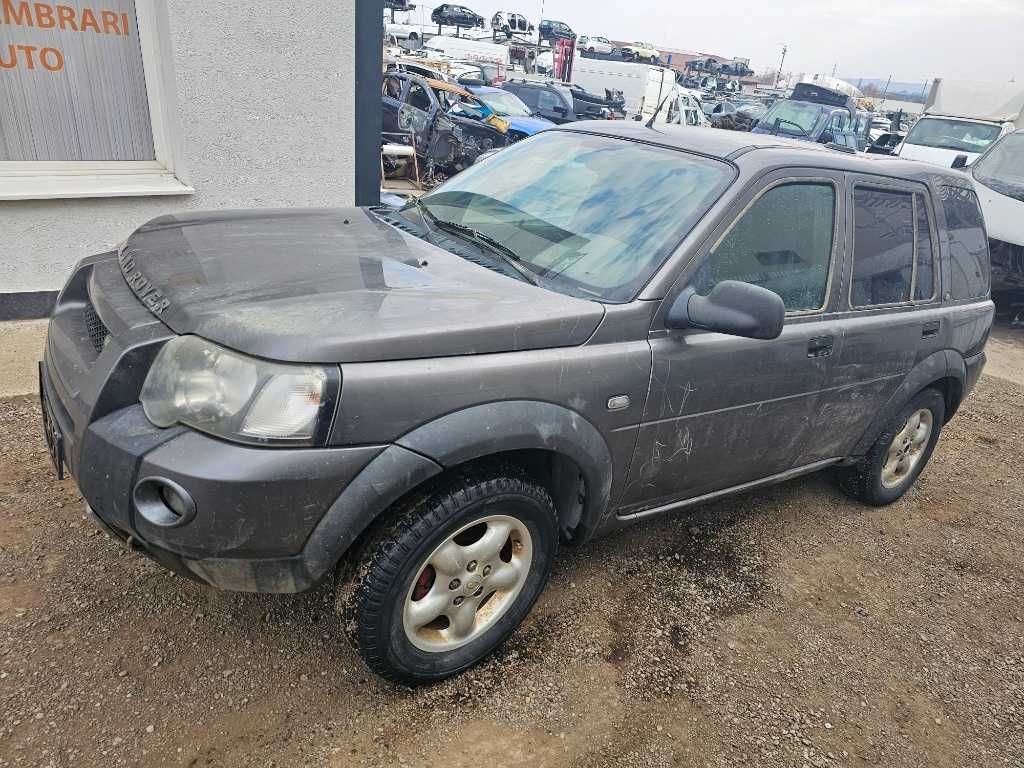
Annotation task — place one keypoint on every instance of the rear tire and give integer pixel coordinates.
(899, 454)
(451, 575)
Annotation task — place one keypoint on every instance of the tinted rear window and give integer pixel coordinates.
(968, 246)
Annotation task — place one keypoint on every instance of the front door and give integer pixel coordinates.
(416, 113)
(722, 410)
(551, 107)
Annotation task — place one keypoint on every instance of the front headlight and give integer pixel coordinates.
(205, 386)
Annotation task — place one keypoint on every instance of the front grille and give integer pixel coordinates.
(98, 333)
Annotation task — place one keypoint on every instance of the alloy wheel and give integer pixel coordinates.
(907, 448)
(467, 583)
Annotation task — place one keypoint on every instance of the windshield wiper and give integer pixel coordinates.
(477, 237)
(777, 122)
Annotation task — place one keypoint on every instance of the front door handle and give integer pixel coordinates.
(820, 346)
(930, 330)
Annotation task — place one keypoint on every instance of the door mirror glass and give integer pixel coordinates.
(960, 161)
(732, 307)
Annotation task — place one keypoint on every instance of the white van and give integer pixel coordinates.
(644, 87)
(469, 50)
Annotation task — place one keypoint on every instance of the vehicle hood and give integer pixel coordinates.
(528, 125)
(335, 286)
(933, 155)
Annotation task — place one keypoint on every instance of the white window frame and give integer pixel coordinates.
(56, 179)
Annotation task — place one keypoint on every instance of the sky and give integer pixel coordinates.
(912, 40)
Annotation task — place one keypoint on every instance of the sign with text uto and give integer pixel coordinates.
(72, 85)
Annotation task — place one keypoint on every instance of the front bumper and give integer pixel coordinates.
(255, 510)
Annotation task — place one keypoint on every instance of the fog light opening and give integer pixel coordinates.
(163, 502)
(177, 504)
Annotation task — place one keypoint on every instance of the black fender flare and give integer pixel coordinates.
(945, 363)
(509, 425)
(447, 442)
(382, 482)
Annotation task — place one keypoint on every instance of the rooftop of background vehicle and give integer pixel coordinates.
(484, 89)
(443, 86)
(739, 147)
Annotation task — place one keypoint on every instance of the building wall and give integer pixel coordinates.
(265, 98)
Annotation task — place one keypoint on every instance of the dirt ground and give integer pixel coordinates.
(787, 627)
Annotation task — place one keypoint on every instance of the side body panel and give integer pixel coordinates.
(386, 401)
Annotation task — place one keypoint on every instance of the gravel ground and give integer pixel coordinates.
(787, 627)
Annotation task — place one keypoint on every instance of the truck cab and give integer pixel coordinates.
(939, 139)
(812, 113)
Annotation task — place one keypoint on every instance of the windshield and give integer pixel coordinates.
(505, 103)
(958, 135)
(592, 216)
(796, 118)
(1002, 167)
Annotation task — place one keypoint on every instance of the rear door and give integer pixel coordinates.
(724, 410)
(890, 314)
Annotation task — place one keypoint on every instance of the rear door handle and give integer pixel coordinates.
(930, 330)
(820, 346)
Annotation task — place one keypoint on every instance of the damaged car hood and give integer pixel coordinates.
(336, 285)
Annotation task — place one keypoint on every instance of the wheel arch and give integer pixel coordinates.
(555, 445)
(944, 370)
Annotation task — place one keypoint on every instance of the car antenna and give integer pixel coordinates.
(650, 123)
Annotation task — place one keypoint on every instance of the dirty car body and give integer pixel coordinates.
(450, 125)
(245, 396)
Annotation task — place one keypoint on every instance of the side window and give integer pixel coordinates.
(883, 247)
(968, 249)
(770, 247)
(924, 278)
(418, 97)
(392, 87)
(547, 100)
(528, 96)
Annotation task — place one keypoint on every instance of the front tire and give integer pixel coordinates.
(452, 574)
(899, 454)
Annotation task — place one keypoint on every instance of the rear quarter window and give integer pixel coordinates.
(968, 245)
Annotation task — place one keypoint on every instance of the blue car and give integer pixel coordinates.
(522, 122)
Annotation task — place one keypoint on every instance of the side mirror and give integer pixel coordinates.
(732, 307)
(559, 109)
(827, 137)
(960, 161)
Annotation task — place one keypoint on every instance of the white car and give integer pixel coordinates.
(641, 52)
(545, 62)
(409, 32)
(595, 44)
(511, 23)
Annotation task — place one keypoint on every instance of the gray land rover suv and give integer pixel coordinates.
(601, 323)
